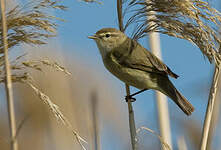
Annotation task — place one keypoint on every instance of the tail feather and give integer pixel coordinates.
(183, 103)
(176, 96)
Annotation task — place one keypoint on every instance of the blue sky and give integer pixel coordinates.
(181, 56)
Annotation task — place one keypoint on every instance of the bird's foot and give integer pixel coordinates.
(130, 97)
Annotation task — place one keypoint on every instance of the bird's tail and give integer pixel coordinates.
(176, 96)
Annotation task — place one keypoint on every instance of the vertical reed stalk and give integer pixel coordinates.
(181, 143)
(162, 105)
(8, 82)
(131, 121)
(215, 118)
(209, 111)
(130, 107)
(119, 14)
(94, 108)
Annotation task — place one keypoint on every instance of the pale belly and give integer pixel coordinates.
(133, 77)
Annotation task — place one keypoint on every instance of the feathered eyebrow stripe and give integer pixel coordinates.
(111, 34)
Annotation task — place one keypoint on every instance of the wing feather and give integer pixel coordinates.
(134, 58)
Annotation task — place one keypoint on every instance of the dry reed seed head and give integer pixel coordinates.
(19, 67)
(57, 113)
(56, 66)
(31, 23)
(155, 134)
(37, 65)
(192, 20)
(21, 78)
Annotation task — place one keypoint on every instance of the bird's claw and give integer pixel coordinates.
(130, 98)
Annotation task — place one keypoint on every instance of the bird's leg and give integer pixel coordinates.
(131, 96)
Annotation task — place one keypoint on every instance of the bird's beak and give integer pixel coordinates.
(93, 37)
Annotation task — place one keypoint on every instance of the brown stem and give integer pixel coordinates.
(119, 14)
(131, 120)
(8, 82)
(94, 108)
(130, 107)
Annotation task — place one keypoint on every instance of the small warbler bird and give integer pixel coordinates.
(133, 64)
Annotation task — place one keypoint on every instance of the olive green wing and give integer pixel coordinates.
(142, 59)
(159, 65)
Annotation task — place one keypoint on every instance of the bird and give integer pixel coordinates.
(133, 64)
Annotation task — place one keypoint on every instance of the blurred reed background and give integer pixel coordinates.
(75, 95)
(93, 104)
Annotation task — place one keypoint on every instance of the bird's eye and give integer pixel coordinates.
(107, 35)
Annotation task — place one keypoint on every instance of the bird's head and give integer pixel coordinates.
(107, 39)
